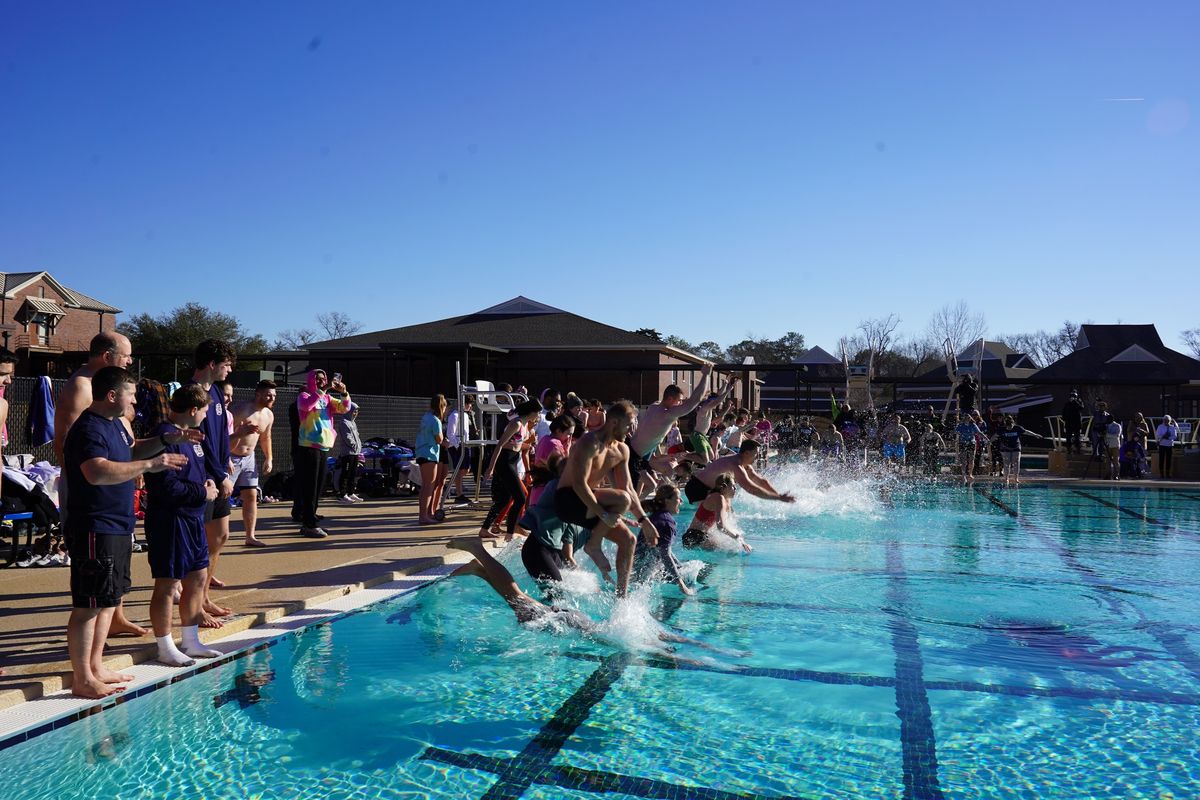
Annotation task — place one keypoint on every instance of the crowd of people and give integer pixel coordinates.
(565, 473)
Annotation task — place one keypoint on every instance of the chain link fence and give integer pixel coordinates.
(389, 417)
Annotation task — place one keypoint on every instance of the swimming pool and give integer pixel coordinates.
(903, 641)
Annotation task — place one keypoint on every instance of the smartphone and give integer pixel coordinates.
(337, 377)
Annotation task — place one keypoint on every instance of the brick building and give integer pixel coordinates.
(48, 324)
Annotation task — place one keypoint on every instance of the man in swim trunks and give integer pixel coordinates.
(580, 501)
(109, 349)
(241, 453)
(895, 437)
(656, 420)
(741, 466)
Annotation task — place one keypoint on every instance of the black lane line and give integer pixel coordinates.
(528, 766)
(1137, 514)
(1168, 636)
(858, 679)
(587, 780)
(917, 743)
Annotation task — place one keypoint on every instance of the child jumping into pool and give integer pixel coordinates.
(651, 559)
(713, 516)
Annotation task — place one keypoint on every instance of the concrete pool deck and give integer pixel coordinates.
(370, 543)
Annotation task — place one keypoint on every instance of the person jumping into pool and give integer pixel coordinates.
(895, 438)
(656, 420)
(657, 559)
(741, 466)
(714, 514)
(529, 610)
(704, 415)
(580, 501)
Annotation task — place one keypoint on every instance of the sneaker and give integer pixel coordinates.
(355, 498)
(345, 500)
(314, 533)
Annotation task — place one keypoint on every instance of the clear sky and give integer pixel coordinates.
(708, 169)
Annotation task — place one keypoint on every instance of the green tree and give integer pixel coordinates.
(650, 333)
(179, 331)
(768, 351)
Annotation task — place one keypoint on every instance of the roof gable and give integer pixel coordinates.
(1135, 352)
(816, 355)
(518, 305)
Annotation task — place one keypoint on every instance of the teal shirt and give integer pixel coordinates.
(427, 445)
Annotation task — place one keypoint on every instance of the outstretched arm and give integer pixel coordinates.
(689, 405)
(759, 486)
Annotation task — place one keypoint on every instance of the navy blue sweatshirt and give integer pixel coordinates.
(170, 493)
(216, 436)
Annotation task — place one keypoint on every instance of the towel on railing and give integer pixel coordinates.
(41, 413)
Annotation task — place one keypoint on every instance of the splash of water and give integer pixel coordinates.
(819, 489)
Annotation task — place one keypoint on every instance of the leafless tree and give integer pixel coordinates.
(923, 351)
(1191, 337)
(337, 324)
(878, 333)
(1042, 347)
(295, 339)
(958, 324)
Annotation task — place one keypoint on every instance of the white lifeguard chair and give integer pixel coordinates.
(492, 408)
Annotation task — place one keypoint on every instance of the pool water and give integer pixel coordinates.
(882, 641)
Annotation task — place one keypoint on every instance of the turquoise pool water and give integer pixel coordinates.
(890, 642)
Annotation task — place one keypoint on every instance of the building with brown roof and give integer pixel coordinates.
(520, 342)
(41, 320)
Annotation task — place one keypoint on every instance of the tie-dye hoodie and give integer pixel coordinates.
(316, 424)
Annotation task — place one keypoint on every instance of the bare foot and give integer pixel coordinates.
(209, 622)
(216, 582)
(216, 610)
(466, 545)
(93, 689)
(123, 627)
(105, 675)
(255, 542)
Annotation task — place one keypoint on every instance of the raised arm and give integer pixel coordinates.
(689, 405)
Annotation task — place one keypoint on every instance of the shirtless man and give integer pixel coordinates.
(106, 350)
(656, 420)
(580, 501)
(241, 453)
(741, 466)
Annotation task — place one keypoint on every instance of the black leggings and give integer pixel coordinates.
(542, 562)
(346, 474)
(1165, 457)
(506, 487)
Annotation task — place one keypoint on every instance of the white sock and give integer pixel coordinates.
(169, 654)
(193, 647)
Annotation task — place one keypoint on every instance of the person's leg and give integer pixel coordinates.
(498, 577)
(190, 614)
(425, 500)
(520, 496)
(81, 634)
(216, 531)
(99, 671)
(439, 485)
(322, 469)
(502, 482)
(250, 516)
(161, 608)
(306, 485)
(352, 476)
(122, 625)
(616, 501)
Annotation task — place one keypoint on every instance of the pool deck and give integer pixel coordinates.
(370, 543)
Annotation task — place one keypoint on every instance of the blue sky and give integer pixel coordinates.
(709, 169)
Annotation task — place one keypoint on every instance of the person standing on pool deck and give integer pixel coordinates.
(741, 466)
(580, 500)
(175, 530)
(654, 422)
(100, 461)
(1167, 433)
(109, 349)
(241, 451)
(213, 362)
(314, 437)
